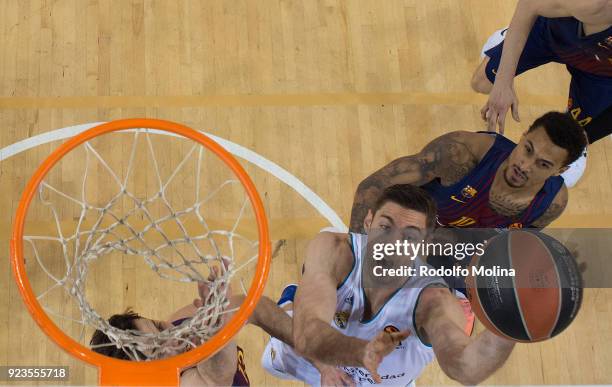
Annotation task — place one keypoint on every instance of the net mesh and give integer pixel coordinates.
(172, 237)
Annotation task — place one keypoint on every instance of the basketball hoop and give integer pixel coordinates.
(162, 371)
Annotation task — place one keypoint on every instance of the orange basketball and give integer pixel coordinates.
(525, 287)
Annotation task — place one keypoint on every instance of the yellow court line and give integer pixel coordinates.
(323, 99)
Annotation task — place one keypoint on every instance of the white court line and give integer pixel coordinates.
(244, 153)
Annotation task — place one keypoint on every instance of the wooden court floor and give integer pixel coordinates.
(328, 90)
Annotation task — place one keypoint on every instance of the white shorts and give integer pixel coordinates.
(281, 361)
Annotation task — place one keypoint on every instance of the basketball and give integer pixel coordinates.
(539, 301)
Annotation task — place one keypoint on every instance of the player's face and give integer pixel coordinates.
(151, 326)
(393, 223)
(535, 159)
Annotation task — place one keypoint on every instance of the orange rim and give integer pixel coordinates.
(157, 372)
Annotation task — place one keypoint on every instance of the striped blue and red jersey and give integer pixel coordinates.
(241, 379)
(591, 54)
(466, 203)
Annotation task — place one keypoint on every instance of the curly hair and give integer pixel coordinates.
(122, 321)
(564, 132)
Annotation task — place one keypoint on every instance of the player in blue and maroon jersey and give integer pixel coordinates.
(577, 33)
(484, 180)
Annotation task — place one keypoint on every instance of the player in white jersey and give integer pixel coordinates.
(380, 329)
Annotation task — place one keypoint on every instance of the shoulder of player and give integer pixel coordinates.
(479, 143)
(584, 10)
(560, 201)
(556, 208)
(581, 8)
(431, 295)
(430, 300)
(562, 196)
(331, 251)
(461, 145)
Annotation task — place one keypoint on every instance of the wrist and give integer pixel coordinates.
(503, 80)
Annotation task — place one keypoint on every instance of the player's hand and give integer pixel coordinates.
(379, 347)
(334, 376)
(501, 98)
(204, 288)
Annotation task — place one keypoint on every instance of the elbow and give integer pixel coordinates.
(480, 83)
(462, 374)
(463, 377)
(366, 184)
(300, 343)
(469, 381)
(595, 7)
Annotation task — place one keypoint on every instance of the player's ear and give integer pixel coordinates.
(367, 222)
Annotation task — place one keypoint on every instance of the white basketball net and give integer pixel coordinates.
(104, 229)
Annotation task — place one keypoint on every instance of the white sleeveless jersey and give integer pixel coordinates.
(401, 366)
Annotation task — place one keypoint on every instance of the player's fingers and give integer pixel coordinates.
(381, 341)
(483, 111)
(346, 380)
(399, 336)
(226, 264)
(375, 376)
(202, 289)
(198, 303)
(501, 122)
(515, 112)
(491, 120)
(373, 370)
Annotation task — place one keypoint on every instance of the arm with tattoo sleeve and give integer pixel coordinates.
(448, 157)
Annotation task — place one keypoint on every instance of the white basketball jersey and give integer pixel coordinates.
(401, 366)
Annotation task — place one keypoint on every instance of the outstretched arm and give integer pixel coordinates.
(440, 321)
(502, 96)
(328, 261)
(448, 157)
(315, 304)
(271, 318)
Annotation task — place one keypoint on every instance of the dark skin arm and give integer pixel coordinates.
(449, 157)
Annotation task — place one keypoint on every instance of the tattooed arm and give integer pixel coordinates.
(448, 157)
(554, 210)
